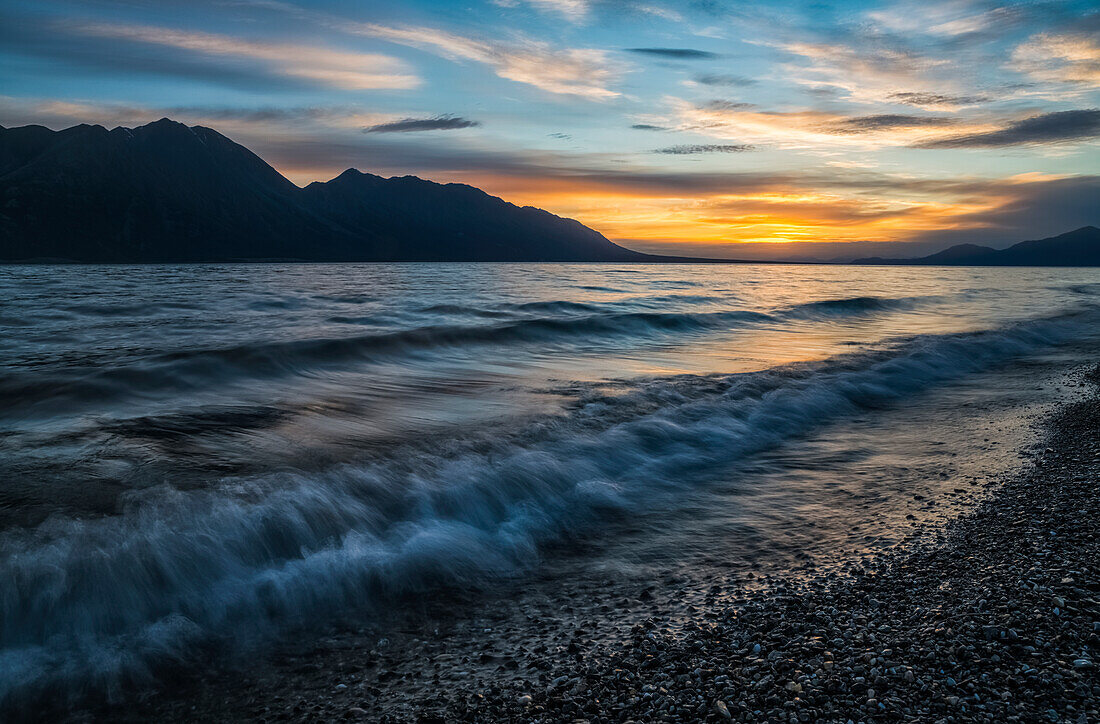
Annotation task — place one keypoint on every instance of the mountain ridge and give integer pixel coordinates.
(167, 192)
(1080, 247)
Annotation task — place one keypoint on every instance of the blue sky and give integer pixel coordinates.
(686, 127)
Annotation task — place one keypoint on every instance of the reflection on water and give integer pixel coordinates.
(191, 450)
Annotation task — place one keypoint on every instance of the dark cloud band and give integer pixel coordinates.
(688, 150)
(676, 53)
(720, 79)
(1047, 128)
(936, 99)
(411, 125)
(885, 122)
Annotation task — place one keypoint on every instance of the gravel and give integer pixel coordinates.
(996, 618)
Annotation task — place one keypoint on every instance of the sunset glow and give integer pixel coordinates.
(675, 127)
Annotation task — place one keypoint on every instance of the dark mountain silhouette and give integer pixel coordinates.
(168, 192)
(419, 220)
(1074, 248)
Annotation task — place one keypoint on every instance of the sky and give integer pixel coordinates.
(697, 127)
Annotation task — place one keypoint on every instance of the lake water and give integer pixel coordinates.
(196, 453)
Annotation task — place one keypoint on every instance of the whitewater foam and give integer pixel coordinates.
(96, 602)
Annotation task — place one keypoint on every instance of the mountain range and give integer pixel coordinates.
(167, 192)
(1080, 247)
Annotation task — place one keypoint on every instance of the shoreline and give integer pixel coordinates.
(997, 620)
(940, 629)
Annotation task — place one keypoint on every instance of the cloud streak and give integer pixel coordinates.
(575, 71)
(817, 129)
(936, 100)
(337, 68)
(885, 122)
(692, 149)
(1046, 128)
(723, 80)
(675, 53)
(573, 10)
(410, 125)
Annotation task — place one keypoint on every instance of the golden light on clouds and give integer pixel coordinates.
(774, 216)
(820, 129)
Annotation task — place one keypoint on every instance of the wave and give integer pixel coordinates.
(855, 305)
(144, 309)
(197, 369)
(89, 604)
(509, 309)
(1091, 289)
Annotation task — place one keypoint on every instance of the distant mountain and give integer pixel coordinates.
(1074, 248)
(166, 192)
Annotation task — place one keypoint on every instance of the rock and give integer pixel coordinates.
(722, 709)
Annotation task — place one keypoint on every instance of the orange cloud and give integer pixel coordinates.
(819, 129)
(1071, 58)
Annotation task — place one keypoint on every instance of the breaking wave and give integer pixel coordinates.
(93, 603)
(538, 323)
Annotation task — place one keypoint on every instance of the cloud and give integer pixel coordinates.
(573, 10)
(675, 53)
(408, 125)
(936, 100)
(1025, 209)
(337, 68)
(660, 12)
(229, 119)
(687, 150)
(719, 105)
(648, 127)
(943, 54)
(719, 79)
(1071, 58)
(868, 71)
(574, 71)
(815, 129)
(823, 221)
(1046, 128)
(946, 19)
(885, 121)
(79, 55)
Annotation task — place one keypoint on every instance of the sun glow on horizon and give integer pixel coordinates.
(668, 125)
